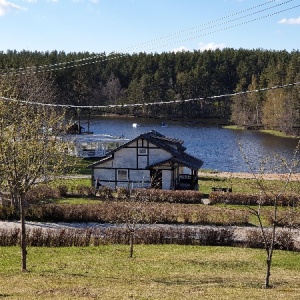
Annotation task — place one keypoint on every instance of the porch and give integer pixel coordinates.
(186, 182)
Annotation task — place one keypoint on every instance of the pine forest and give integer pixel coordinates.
(250, 88)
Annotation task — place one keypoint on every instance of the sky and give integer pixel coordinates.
(152, 26)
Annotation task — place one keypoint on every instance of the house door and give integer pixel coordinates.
(156, 179)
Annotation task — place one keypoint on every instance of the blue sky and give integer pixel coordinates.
(148, 25)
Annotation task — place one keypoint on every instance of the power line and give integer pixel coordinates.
(201, 25)
(233, 26)
(172, 37)
(147, 104)
(114, 55)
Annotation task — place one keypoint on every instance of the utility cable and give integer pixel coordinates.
(151, 103)
(196, 30)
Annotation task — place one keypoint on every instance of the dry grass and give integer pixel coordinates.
(157, 272)
(244, 182)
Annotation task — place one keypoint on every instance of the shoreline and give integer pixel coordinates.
(245, 175)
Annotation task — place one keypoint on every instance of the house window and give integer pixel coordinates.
(142, 151)
(122, 174)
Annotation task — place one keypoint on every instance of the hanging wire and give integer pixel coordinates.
(150, 103)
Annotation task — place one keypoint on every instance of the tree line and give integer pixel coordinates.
(89, 79)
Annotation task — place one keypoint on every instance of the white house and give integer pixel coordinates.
(149, 160)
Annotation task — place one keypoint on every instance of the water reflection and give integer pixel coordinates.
(217, 147)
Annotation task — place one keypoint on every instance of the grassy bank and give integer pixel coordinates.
(157, 272)
(268, 131)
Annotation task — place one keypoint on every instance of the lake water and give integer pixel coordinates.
(217, 147)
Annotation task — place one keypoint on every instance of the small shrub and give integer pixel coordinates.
(122, 193)
(83, 190)
(157, 195)
(287, 199)
(117, 211)
(9, 237)
(104, 192)
(63, 189)
(283, 239)
(233, 198)
(286, 218)
(42, 192)
(8, 212)
(208, 236)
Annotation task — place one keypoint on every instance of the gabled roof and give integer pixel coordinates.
(184, 159)
(173, 146)
(102, 160)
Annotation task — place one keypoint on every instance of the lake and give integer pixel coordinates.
(216, 146)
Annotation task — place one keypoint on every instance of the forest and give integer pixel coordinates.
(249, 88)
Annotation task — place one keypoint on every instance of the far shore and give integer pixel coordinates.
(245, 175)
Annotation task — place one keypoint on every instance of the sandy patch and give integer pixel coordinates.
(293, 177)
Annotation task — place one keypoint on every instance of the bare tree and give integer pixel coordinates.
(135, 213)
(133, 217)
(272, 195)
(113, 90)
(29, 144)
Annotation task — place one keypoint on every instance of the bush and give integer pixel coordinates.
(83, 190)
(8, 212)
(122, 193)
(288, 199)
(42, 192)
(63, 189)
(104, 192)
(286, 218)
(283, 239)
(117, 211)
(118, 235)
(9, 237)
(157, 195)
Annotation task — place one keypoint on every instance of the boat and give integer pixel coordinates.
(92, 145)
(135, 125)
(163, 124)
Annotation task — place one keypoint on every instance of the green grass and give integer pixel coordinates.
(278, 133)
(74, 201)
(240, 185)
(233, 127)
(156, 272)
(272, 132)
(71, 182)
(81, 165)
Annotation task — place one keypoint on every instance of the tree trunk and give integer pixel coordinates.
(14, 198)
(131, 242)
(23, 234)
(268, 273)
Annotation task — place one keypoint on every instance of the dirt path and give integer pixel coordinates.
(294, 177)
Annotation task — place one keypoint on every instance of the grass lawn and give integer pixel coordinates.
(156, 272)
(70, 201)
(81, 165)
(240, 185)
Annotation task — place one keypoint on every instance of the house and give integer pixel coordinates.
(149, 160)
